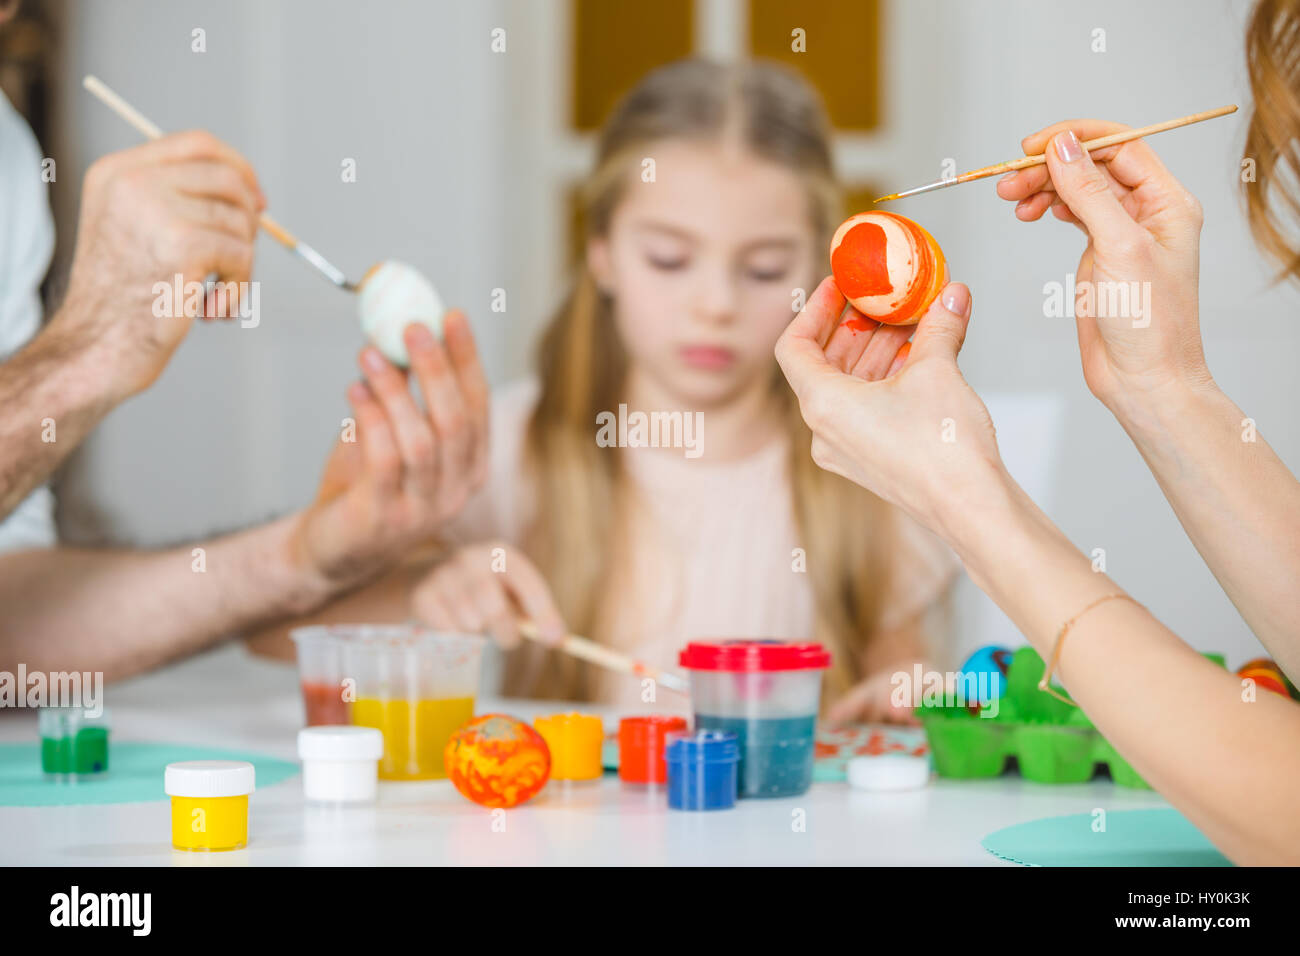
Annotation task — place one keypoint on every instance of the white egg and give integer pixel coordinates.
(392, 296)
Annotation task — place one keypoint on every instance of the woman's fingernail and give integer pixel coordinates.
(373, 360)
(1068, 147)
(1008, 177)
(956, 299)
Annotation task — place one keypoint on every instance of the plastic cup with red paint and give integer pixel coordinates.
(320, 674)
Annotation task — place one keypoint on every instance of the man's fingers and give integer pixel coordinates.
(216, 214)
(379, 450)
(415, 440)
(214, 180)
(442, 398)
(942, 329)
(194, 144)
(465, 361)
(230, 258)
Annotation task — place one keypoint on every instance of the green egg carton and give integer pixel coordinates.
(1052, 741)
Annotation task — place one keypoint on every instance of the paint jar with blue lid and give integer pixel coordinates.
(767, 693)
(702, 770)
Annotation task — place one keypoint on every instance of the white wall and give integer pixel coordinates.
(445, 133)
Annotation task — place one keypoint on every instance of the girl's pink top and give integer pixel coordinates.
(718, 551)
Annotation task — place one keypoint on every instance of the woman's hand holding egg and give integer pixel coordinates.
(405, 471)
(920, 437)
(1136, 304)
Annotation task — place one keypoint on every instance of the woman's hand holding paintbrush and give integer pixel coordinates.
(1137, 313)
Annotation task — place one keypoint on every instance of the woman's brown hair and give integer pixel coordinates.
(1273, 136)
(582, 364)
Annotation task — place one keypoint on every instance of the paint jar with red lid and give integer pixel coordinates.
(767, 693)
(641, 747)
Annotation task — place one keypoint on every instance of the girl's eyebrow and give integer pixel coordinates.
(650, 225)
(779, 242)
(782, 242)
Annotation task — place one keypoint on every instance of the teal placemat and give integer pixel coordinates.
(1160, 837)
(135, 774)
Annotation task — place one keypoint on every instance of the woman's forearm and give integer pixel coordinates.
(1231, 766)
(1237, 501)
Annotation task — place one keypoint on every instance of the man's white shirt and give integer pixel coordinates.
(26, 246)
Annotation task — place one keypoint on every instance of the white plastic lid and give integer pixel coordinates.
(208, 778)
(340, 743)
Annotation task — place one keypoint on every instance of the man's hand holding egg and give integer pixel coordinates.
(406, 470)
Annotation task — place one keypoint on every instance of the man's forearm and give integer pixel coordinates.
(51, 395)
(122, 612)
(1236, 500)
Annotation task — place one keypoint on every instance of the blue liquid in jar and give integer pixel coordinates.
(776, 753)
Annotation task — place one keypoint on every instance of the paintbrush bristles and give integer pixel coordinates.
(1101, 142)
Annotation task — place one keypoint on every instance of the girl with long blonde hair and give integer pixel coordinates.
(690, 272)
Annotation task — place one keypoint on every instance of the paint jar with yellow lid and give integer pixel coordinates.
(209, 803)
(575, 742)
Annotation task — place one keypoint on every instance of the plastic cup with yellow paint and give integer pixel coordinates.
(417, 687)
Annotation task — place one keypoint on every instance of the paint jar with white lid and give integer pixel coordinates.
(209, 803)
(340, 764)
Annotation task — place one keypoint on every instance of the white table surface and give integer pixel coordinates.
(228, 698)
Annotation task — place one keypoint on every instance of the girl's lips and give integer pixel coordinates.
(707, 356)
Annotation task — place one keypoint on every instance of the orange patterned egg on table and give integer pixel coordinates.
(887, 266)
(497, 761)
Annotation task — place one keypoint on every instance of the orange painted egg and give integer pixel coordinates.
(1266, 675)
(887, 266)
(497, 761)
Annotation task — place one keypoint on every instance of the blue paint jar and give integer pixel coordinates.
(702, 770)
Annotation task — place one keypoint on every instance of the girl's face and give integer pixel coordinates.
(703, 264)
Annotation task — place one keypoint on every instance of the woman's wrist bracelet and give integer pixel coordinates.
(1046, 683)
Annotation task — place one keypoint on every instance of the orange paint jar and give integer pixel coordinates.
(574, 741)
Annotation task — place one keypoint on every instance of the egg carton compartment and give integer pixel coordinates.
(1051, 740)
